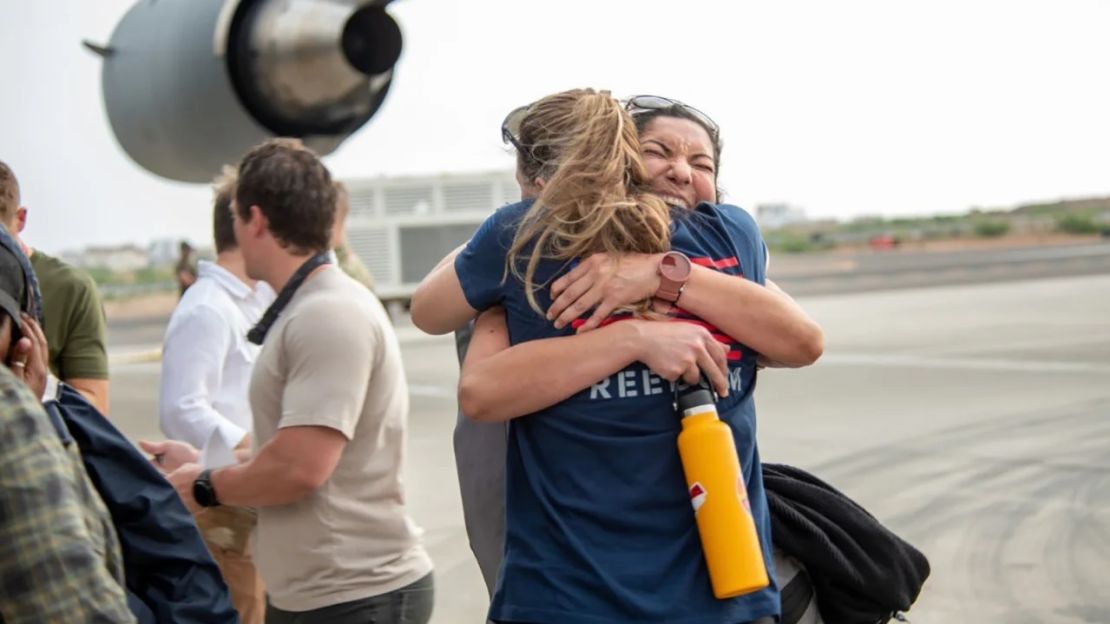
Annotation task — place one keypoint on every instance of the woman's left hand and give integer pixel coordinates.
(603, 282)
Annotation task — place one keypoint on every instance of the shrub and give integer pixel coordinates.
(991, 229)
(1077, 224)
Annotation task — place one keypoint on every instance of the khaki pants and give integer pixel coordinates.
(227, 533)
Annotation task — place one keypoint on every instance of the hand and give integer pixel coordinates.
(170, 455)
(242, 450)
(182, 480)
(606, 282)
(676, 349)
(29, 356)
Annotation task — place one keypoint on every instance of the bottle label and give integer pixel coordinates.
(697, 496)
(743, 492)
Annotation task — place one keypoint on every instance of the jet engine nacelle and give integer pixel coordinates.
(190, 85)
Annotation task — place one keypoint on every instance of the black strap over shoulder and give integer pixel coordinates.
(58, 423)
(257, 334)
(32, 303)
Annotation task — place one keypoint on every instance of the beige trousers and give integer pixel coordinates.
(227, 533)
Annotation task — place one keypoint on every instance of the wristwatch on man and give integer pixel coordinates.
(674, 271)
(203, 491)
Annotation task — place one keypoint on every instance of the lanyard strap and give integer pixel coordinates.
(257, 334)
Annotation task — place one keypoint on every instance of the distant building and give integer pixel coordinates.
(166, 251)
(113, 258)
(163, 251)
(771, 216)
(402, 226)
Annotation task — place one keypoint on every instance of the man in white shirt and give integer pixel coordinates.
(206, 370)
(330, 407)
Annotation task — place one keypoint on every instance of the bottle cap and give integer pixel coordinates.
(693, 397)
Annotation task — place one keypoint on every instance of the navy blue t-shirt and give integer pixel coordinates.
(599, 525)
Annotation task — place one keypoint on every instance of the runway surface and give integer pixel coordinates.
(972, 419)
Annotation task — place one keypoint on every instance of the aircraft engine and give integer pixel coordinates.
(190, 85)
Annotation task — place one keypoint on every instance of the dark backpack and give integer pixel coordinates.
(171, 577)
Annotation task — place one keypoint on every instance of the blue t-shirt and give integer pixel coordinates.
(599, 525)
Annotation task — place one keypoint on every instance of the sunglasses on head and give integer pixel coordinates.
(639, 104)
(510, 128)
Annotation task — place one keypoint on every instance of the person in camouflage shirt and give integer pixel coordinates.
(60, 558)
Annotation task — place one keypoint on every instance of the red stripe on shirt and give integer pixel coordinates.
(723, 263)
(609, 320)
(735, 354)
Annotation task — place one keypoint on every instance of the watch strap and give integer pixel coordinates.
(670, 289)
(203, 491)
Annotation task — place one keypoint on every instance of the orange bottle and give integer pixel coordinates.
(716, 485)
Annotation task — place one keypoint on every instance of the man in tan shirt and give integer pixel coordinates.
(330, 404)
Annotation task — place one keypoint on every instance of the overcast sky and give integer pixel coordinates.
(844, 108)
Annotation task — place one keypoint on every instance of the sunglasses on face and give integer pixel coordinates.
(646, 103)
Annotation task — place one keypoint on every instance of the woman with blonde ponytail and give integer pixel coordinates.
(595, 198)
(598, 523)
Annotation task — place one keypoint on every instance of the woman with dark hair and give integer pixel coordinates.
(599, 526)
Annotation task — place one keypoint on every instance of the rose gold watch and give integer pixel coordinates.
(674, 271)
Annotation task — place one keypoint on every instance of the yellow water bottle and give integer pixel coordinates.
(716, 485)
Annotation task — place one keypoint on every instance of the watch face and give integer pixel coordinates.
(675, 266)
(202, 492)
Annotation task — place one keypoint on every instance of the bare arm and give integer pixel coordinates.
(765, 361)
(95, 390)
(545, 372)
(764, 318)
(483, 393)
(438, 305)
(83, 357)
(292, 465)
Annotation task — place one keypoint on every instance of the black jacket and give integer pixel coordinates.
(171, 577)
(861, 571)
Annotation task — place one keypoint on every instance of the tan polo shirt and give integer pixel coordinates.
(332, 360)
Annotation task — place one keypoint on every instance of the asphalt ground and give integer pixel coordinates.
(973, 419)
(821, 273)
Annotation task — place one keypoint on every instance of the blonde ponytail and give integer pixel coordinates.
(595, 196)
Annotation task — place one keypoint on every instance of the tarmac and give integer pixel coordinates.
(973, 419)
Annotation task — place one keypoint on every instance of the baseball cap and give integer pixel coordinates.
(12, 284)
(18, 286)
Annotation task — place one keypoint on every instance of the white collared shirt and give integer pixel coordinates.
(207, 360)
